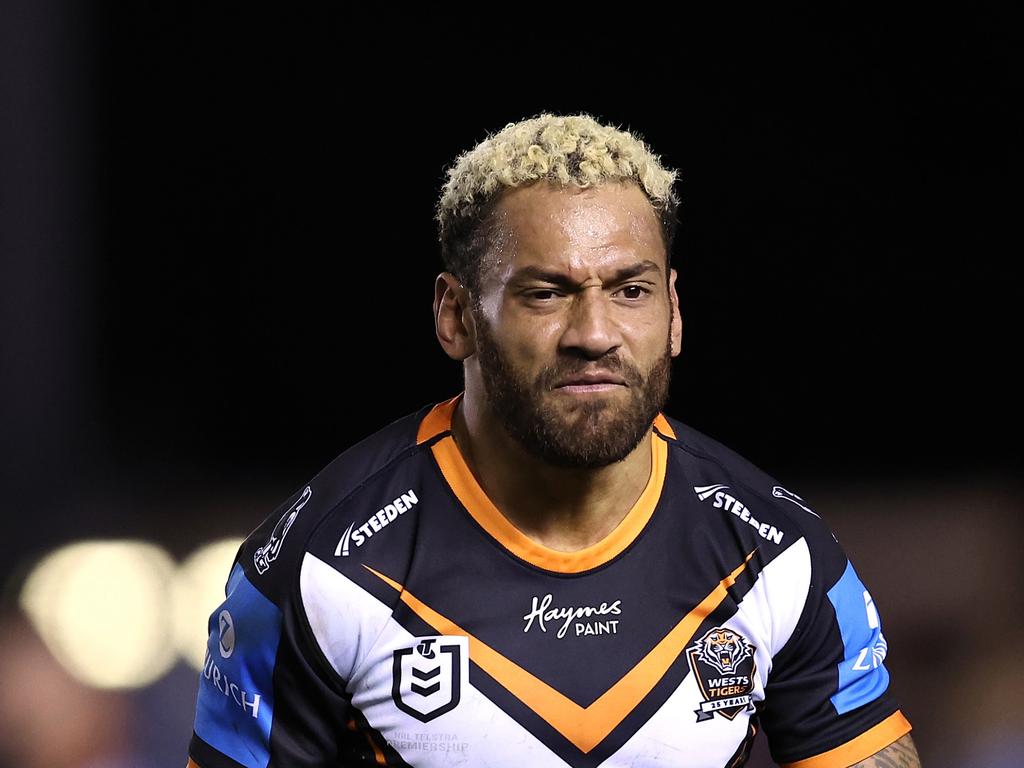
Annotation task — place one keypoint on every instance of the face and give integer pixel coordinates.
(576, 322)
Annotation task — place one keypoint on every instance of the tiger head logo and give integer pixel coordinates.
(724, 650)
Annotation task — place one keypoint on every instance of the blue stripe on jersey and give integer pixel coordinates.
(862, 676)
(235, 706)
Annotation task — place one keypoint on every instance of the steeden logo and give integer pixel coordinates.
(730, 503)
(383, 517)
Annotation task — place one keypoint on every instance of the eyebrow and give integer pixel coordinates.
(562, 280)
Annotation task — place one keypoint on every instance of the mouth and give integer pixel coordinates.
(582, 389)
(594, 382)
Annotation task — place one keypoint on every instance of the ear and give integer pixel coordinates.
(677, 317)
(453, 318)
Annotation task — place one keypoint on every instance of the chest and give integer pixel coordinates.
(563, 673)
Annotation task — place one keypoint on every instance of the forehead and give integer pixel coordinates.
(577, 230)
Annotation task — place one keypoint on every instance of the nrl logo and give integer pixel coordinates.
(723, 664)
(427, 678)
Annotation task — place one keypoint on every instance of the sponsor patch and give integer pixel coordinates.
(862, 673)
(581, 621)
(723, 664)
(226, 626)
(235, 703)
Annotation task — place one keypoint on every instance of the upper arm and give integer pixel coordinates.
(828, 702)
(263, 696)
(900, 754)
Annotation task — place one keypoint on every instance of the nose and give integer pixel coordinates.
(590, 326)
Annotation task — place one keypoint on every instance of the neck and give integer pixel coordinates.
(564, 509)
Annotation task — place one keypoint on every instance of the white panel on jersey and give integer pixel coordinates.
(674, 737)
(777, 598)
(766, 618)
(357, 634)
(345, 618)
(440, 719)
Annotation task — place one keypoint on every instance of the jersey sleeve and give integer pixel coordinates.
(264, 696)
(828, 701)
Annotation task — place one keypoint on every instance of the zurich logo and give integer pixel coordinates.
(226, 626)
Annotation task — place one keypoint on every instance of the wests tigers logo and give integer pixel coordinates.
(723, 663)
(723, 649)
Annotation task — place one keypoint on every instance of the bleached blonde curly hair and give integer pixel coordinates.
(563, 149)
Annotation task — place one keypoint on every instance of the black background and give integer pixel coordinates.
(268, 251)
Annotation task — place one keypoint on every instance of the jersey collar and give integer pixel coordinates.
(463, 483)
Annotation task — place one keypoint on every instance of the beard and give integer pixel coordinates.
(579, 433)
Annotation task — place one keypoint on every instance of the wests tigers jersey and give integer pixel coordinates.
(388, 614)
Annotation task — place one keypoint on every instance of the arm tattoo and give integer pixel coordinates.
(900, 754)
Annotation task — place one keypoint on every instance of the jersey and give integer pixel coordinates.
(388, 614)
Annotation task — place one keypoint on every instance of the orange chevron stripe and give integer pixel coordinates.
(586, 727)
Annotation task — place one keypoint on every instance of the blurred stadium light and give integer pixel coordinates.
(118, 613)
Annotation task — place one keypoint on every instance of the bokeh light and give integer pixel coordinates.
(116, 614)
(197, 589)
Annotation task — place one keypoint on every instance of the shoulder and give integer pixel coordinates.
(279, 649)
(780, 514)
(273, 554)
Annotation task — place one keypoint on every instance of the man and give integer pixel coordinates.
(545, 569)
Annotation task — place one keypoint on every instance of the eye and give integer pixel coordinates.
(640, 290)
(543, 294)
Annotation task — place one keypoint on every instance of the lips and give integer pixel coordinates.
(591, 378)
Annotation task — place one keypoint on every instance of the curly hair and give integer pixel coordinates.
(562, 149)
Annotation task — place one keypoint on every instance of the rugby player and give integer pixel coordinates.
(546, 569)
